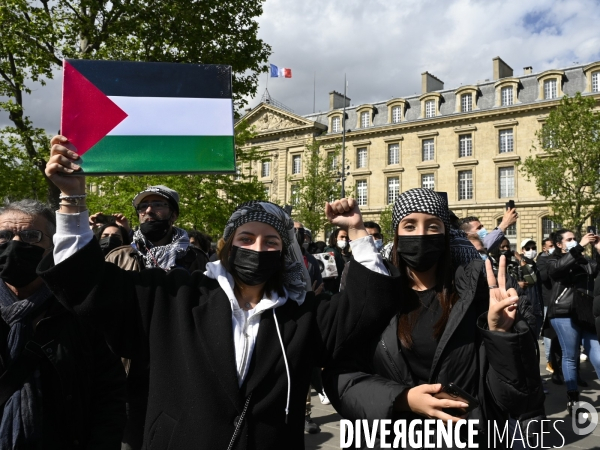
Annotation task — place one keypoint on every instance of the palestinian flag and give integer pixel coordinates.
(132, 117)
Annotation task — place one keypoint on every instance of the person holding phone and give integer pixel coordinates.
(571, 307)
(455, 327)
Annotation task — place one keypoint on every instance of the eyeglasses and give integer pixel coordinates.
(142, 207)
(533, 247)
(27, 236)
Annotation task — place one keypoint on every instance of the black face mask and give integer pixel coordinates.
(420, 253)
(508, 254)
(252, 267)
(109, 243)
(18, 262)
(155, 230)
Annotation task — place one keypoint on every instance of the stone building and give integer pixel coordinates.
(465, 141)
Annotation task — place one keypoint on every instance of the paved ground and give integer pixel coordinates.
(556, 401)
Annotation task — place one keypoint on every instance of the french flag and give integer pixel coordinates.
(280, 72)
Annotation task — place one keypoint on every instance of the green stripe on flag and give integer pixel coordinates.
(160, 154)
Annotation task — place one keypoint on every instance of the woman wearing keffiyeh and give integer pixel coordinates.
(231, 349)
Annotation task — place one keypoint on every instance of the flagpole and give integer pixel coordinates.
(344, 142)
(314, 90)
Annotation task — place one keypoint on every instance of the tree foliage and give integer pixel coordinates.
(319, 185)
(567, 170)
(36, 35)
(206, 201)
(385, 222)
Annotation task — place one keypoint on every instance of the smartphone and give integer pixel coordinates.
(592, 229)
(459, 394)
(102, 218)
(510, 204)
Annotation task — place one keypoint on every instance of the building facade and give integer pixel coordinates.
(465, 141)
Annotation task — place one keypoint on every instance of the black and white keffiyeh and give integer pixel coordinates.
(419, 200)
(163, 256)
(423, 200)
(295, 278)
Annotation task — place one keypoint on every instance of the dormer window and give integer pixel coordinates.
(506, 91)
(506, 94)
(550, 84)
(466, 98)
(592, 74)
(336, 124)
(466, 102)
(396, 109)
(365, 116)
(430, 104)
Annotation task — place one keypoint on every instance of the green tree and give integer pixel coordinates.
(566, 163)
(36, 36)
(206, 201)
(385, 222)
(319, 185)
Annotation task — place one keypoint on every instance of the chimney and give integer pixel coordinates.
(501, 69)
(336, 100)
(527, 70)
(430, 83)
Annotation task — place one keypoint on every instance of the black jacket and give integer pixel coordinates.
(83, 384)
(184, 323)
(542, 266)
(500, 369)
(572, 274)
(597, 305)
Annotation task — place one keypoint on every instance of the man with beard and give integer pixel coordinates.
(60, 385)
(157, 243)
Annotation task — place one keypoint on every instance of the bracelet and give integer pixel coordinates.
(72, 200)
(69, 197)
(72, 205)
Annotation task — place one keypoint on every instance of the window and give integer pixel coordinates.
(428, 150)
(364, 119)
(361, 158)
(336, 126)
(428, 181)
(333, 161)
(550, 89)
(506, 179)
(465, 145)
(596, 82)
(511, 234)
(465, 185)
(466, 102)
(430, 108)
(393, 154)
(548, 226)
(265, 169)
(393, 189)
(295, 198)
(396, 114)
(506, 95)
(238, 173)
(506, 141)
(296, 164)
(361, 192)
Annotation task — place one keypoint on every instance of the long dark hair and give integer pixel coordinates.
(275, 283)
(557, 237)
(445, 293)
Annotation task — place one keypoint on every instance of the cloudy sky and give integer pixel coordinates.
(384, 45)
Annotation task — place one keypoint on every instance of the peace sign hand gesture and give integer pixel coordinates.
(503, 303)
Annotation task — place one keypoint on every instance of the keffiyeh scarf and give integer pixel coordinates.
(163, 256)
(295, 278)
(22, 415)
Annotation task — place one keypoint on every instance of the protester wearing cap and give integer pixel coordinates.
(530, 280)
(157, 242)
(231, 349)
(449, 326)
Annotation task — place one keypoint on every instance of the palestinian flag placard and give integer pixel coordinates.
(133, 117)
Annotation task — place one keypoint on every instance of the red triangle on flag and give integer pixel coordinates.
(87, 114)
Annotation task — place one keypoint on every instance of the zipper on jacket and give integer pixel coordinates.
(245, 347)
(396, 369)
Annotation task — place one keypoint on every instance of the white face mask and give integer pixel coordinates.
(551, 250)
(378, 244)
(530, 254)
(571, 244)
(342, 244)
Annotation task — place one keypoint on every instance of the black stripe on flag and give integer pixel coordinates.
(156, 79)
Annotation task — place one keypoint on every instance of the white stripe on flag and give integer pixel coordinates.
(173, 116)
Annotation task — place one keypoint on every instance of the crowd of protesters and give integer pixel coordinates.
(146, 336)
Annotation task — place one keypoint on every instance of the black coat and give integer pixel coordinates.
(83, 384)
(500, 369)
(542, 266)
(597, 305)
(184, 323)
(572, 275)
